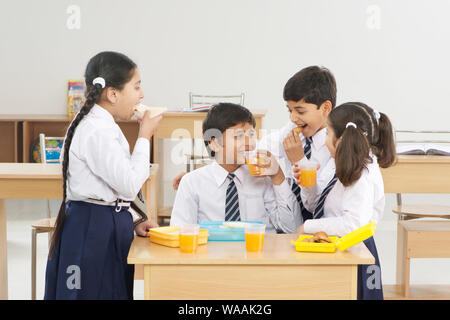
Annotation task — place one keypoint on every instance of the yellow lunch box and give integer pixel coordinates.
(342, 243)
(169, 236)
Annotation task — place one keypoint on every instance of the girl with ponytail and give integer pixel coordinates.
(361, 140)
(95, 224)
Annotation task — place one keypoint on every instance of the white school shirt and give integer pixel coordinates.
(100, 164)
(349, 208)
(319, 153)
(201, 196)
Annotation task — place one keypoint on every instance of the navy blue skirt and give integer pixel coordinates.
(369, 276)
(89, 260)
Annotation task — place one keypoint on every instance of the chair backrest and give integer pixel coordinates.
(50, 148)
(199, 100)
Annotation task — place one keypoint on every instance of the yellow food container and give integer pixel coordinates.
(356, 236)
(314, 247)
(342, 243)
(169, 236)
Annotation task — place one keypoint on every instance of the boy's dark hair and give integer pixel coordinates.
(313, 84)
(221, 117)
(353, 152)
(116, 69)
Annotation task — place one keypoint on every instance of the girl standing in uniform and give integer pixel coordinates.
(95, 225)
(361, 141)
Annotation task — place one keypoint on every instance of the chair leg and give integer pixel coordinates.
(49, 214)
(50, 235)
(33, 264)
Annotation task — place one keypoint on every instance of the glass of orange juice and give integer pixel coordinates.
(252, 160)
(308, 176)
(254, 236)
(189, 237)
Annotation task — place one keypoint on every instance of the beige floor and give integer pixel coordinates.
(21, 213)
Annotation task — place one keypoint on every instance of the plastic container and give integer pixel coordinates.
(308, 175)
(223, 231)
(254, 236)
(189, 237)
(314, 247)
(252, 160)
(356, 236)
(169, 236)
(342, 243)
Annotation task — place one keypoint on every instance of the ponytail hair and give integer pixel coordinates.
(352, 155)
(116, 69)
(384, 147)
(373, 132)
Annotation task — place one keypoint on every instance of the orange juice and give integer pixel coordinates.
(308, 178)
(254, 242)
(253, 168)
(188, 242)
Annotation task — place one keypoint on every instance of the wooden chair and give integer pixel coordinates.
(419, 238)
(41, 226)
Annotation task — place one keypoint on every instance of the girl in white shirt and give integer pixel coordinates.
(94, 227)
(360, 140)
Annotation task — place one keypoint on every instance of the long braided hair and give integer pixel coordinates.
(116, 69)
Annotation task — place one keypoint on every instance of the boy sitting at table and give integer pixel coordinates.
(224, 190)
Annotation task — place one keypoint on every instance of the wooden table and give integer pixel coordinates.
(416, 174)
(39, 181)
(224, 270)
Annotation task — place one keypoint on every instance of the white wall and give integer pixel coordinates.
(397, 64)
(232, 46)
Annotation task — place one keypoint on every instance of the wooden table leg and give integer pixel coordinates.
(147, 282)
(354, 285)
(402, 274)
(3, 253)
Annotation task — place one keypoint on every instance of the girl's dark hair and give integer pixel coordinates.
(116, 69)
(313, 84)
(353, 151)
(221, 117)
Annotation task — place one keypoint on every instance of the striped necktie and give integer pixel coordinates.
(305, 213)
(307, 148)
(318, 213)
(232, 201)
(296, 188)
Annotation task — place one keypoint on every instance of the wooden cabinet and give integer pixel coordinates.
(18, 132)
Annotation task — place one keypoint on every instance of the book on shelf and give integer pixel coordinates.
(419, 148)
(75, 97)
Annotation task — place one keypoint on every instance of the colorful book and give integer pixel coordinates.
(75, 97)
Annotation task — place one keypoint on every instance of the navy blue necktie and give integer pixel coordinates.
(232, 201)
(296, 188)
(318, 212)
(307, 148)
(305, 213)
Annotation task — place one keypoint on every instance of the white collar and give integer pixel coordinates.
(318, 139)
(220, 174)
(101, 112)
